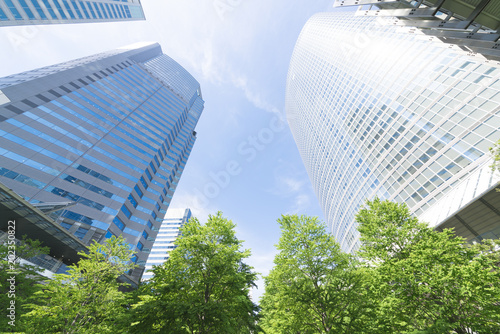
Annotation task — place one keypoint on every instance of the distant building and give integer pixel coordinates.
(380, 108)
(111, 132)
(23, 12)
(165, 240)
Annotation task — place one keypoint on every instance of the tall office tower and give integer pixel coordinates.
(164, 243)
(22, 12)
(380, 108)
(110, 132)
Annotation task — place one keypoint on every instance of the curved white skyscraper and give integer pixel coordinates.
(383, 110)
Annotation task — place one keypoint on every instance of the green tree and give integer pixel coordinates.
(203, 287)
(428, 281)
(23, 276)
(88, 299)
(313, 287)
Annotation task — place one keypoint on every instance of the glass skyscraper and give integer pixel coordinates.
(387, 110)
(109, 133)
(165, 240)
(21, 12)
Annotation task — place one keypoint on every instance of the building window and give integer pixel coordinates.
(126, 211)
(119, 223)
(13, 10)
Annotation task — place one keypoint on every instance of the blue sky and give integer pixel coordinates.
(245, 162)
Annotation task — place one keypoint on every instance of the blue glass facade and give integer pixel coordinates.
(381, 110)
(21, 12)
(111, 133)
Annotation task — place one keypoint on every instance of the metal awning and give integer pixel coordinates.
(473, 25)
(35, 224)
(483, 12)
(479, 220)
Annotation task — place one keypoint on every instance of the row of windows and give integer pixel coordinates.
(142, 222)
(82, 218)
(89, 10)
(100, 176)
(31, 146)
(159, 242)
(82, 200)
(21, 178)
(87, 156)
(43, 135)
(70, 123)
(28, 162)
(91, 187)
(164, 251)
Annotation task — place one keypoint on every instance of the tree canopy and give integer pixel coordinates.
(314, 287)
(408, 278)
(203, 287)
(428, 281)
(87, 299)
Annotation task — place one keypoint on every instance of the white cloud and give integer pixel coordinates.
(300, 204)
(287, 182)
(253, 97)
(209, 59)
(292, 185)
(216, 71)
